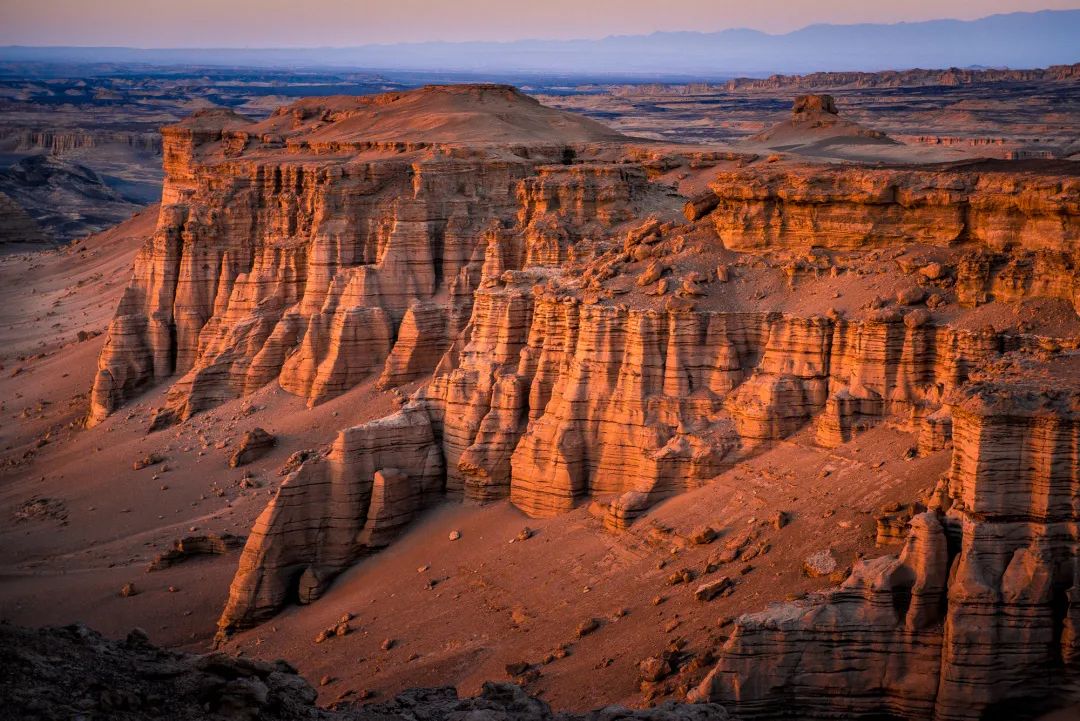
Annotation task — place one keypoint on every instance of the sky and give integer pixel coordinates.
(338, 23)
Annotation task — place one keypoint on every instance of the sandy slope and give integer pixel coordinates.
(496, 602)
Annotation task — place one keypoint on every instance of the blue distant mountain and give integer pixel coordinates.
(1017, 40)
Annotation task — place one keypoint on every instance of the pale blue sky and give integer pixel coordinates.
(308, 23)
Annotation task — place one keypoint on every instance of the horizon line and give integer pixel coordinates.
(534, 39)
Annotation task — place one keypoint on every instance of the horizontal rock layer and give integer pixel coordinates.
(978, 614)
(549, 401)
(850, 207)
(269, 265)
(301, 251)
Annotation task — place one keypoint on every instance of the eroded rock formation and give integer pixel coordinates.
(578, 330)
(976, 614)
(989, 205)
(294, 249)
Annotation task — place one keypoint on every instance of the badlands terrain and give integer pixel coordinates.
(80, 149)
(447, 387)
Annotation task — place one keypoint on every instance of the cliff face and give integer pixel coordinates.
(59, 142)
(976, 613)
(280, 265)
(550, 402)
(1018, 230)
(579, 342)
(975, 204)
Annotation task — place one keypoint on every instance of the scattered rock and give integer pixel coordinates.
(255, 444)
(910, 296)
(704, 535)
(41, 509)
(146, 461)
(656, 668)
(932, 271)
(191, 546)
(586, 627)
(712, 589)
(822, 563)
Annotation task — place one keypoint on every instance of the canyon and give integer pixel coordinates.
(729, 378)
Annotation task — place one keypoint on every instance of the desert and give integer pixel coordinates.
(343, 394)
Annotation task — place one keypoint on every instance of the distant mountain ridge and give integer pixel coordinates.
(1017, 40)
(862, 80)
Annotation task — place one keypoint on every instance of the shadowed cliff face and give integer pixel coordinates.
(578, 339)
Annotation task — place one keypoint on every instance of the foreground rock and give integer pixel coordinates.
(978, 613)
(73, 672)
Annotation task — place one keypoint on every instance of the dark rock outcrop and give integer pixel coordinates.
(75, 673)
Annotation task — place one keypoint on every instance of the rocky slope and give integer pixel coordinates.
(574, 337)
(73, 672)
(16, 226)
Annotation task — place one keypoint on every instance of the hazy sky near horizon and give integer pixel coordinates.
(316, 23)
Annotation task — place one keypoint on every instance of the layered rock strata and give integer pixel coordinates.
(1020, 230)
(332, 509)
(320, 249)
(977, 614)
(287, 252)
(551, 402)
(991, 205)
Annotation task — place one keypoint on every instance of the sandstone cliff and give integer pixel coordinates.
(906, 78)
(551, 395)
(292, 249)
(576, 338)
(976, 614)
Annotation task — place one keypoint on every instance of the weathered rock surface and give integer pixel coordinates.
(849, 207)
(255, 444)
(191, 546)
(333, 509)
(507, 702)
(570, 330)
(73, 672)
(976, 615)
(307, 248)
